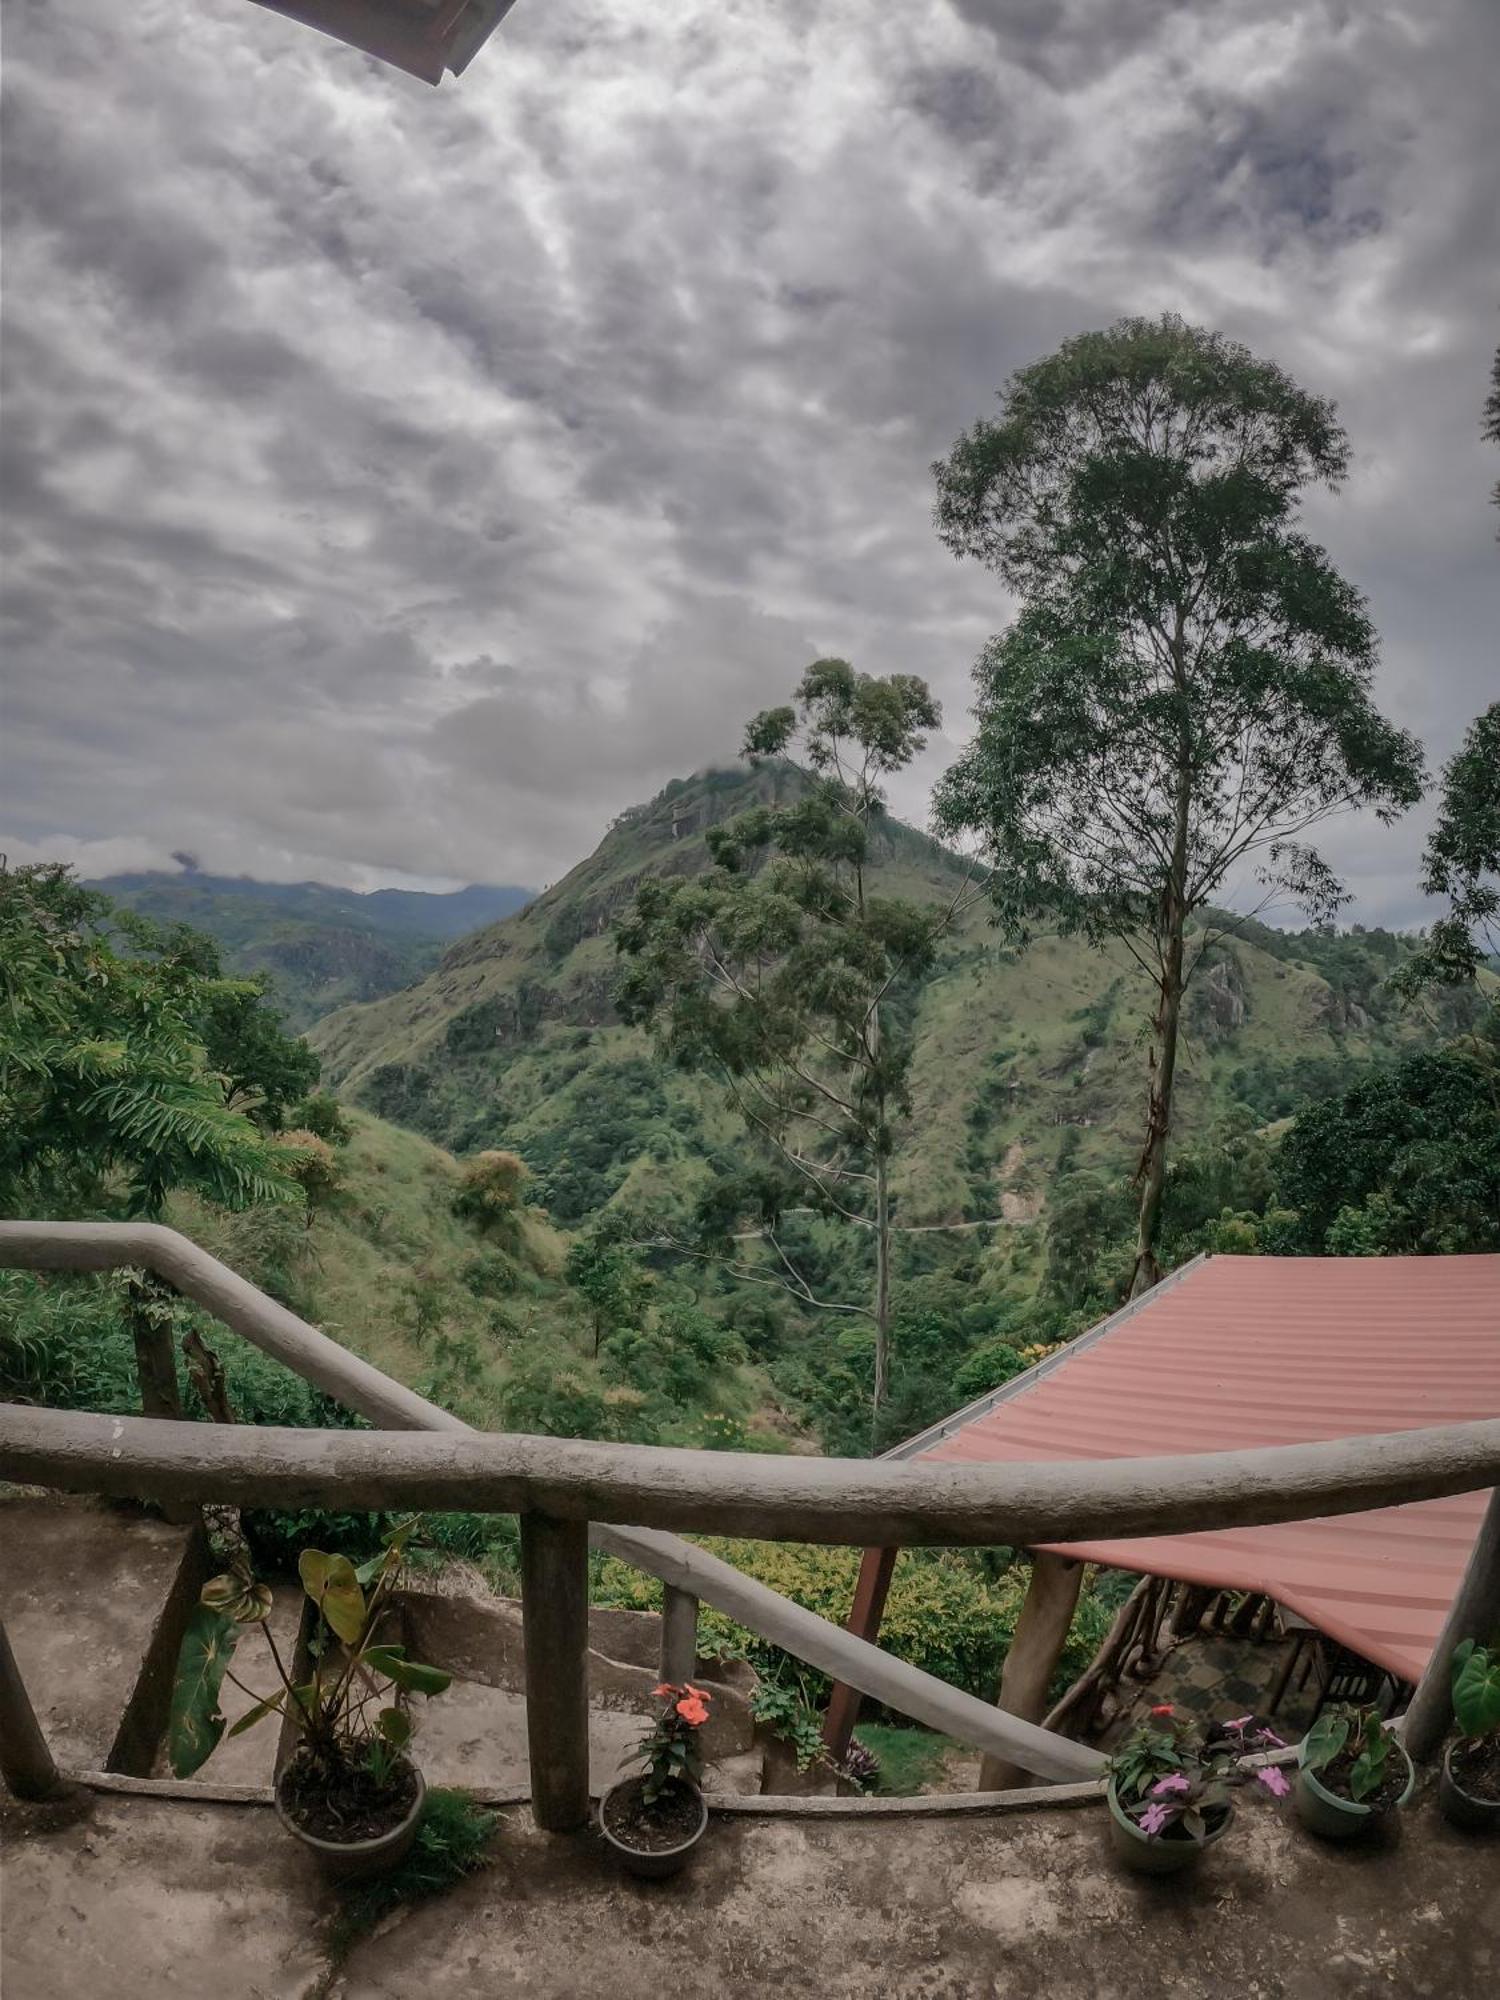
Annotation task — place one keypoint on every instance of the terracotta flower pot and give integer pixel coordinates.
(1162, 1853)
(653, 1863)
(1461, 1808)
(356, 1860)
(1330, 1814)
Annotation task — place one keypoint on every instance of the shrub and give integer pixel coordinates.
(323, 1115)
(554, 1401)
(988, 1367)
(491, 1189)
(941, 1614)
(314, 1166)
(453, 1838)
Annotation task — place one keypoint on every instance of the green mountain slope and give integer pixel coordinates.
(1024, 1062)
(323, 947)
(480, 1316)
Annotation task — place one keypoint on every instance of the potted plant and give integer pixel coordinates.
(1469, 1788)
(1169, 1793)
(654, 1819)
(348, 1791)
(1351, 1773)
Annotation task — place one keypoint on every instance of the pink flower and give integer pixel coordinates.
(1270, 1736)
(1274, 1780)
(1153, 1819)
(1174, 1781)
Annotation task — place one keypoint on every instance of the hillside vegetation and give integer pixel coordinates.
(477, 1316)
(1026, 1062)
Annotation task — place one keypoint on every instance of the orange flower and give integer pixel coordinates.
(692, 1710)
(702, 1693)
(664, 1687)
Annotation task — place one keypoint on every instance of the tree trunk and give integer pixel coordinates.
(882, 1284)
(1035, 1649)
(1152, 1171)
(1171, 925)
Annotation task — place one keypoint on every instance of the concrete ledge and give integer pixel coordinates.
(924, 1805)
(136, 1899)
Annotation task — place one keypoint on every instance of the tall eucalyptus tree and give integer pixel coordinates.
(1185, 688)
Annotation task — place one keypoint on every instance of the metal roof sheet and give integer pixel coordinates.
(1232, 1352)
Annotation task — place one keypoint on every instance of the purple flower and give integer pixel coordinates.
(1153, 1819)
(1175, 1781)
(1274, 1780)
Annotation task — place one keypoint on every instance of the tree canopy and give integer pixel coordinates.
(109, 1034)
(1462, 862)
(1186, 688)
(781, 973)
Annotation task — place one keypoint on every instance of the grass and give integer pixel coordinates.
(453, 1839)
(910, 1759)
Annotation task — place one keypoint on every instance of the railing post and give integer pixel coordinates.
(555, 1617)
(1474, 1614)
(679, 1634)
(25, 1761)
(1035, 1648)
(150, 1315)
(876, 1568)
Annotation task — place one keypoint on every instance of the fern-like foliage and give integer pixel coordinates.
(108, 1093)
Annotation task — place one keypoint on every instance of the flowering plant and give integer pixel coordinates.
(670, 1748)
(1165, 1780)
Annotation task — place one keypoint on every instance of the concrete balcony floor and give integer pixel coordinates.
(137, 1899)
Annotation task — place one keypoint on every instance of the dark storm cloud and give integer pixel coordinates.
(403, 482)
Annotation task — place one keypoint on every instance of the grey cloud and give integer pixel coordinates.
(401, 483)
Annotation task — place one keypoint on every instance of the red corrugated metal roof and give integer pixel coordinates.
(1242, 1351)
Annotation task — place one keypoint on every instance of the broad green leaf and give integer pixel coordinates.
(410, 1674)
(195, 1725)
(1367, 1773)
(1476, 1689)
(237, 1595)
(1325, 1739)
(261, 1709)
(395, 1726)
(333, 1587)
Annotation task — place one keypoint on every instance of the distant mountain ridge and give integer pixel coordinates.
(1028, 1065)
(323, 947)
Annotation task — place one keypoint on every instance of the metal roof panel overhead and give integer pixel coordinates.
(1235, 1352)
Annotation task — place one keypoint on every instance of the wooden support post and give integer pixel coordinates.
(1035, 1649)
(25, 1761)
(1474, 1614)
(679, 1635)
(151, 1329)
(555, 1620)
(877, 1567)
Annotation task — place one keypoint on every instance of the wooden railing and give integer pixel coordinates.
(569, 1492)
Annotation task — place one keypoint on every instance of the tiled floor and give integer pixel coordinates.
(1216, 1676)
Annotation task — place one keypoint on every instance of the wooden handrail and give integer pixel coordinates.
(112, 1246)
(628, 1494)
(841, 1501)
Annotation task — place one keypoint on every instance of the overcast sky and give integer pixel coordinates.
(401, 482)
